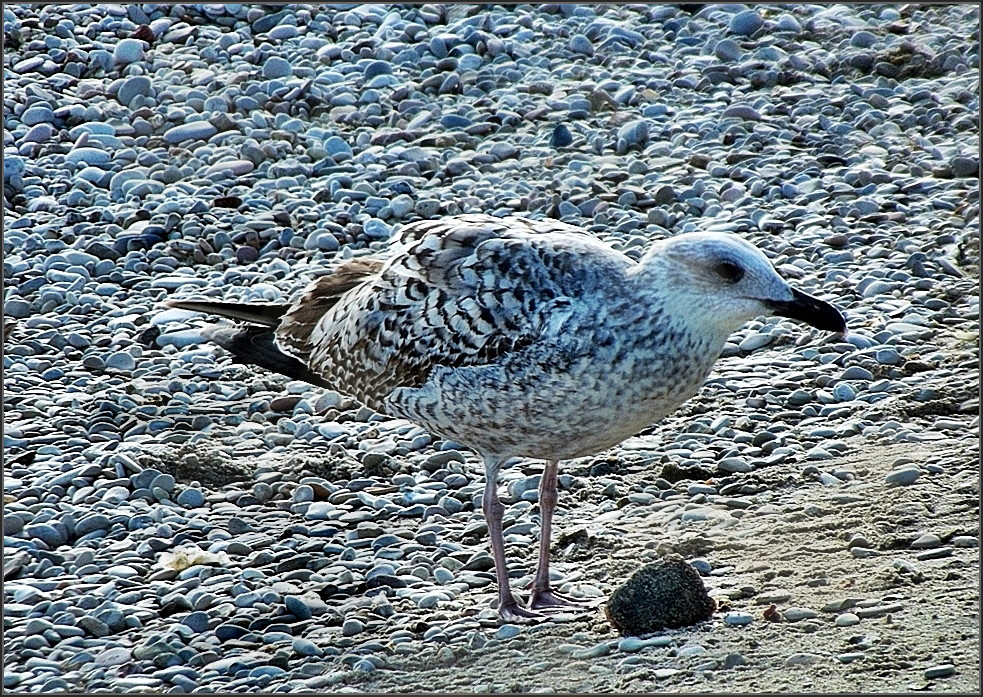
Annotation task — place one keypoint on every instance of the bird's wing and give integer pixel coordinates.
(295, 327)
(461, 291)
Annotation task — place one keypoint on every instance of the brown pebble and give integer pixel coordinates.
(286, 403)
(144, 33)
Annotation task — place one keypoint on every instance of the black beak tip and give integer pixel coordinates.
(814, 312)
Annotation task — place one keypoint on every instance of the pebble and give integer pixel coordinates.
(965, 166)
(507, 631)
(581, 44)
(857, 373)
(727, 50)
(903, 476)
(191, 498)
(746, 22)
(634, 644)
(796, 614)
(138, 85)
(737, 618)
(927, 541)
(803, 659)
(596, 651)
(305, 647)
(194, 130)
(943, 670)
(128, 51)
(276, 67)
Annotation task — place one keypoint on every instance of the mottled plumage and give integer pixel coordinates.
(519, 338)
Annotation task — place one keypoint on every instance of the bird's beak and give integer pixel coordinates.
(812, 311)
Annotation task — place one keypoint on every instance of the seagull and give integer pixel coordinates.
(518, 338)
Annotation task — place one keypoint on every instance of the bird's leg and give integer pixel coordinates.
(543, 595)
(508, 606)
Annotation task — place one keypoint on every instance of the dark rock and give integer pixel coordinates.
(663, 595)
(561, 136)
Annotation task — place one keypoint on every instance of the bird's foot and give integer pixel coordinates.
(513, 612)
(550, 600)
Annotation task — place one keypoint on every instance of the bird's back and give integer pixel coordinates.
(458, 292)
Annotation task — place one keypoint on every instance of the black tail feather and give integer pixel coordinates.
(255, 345)
(266, 314)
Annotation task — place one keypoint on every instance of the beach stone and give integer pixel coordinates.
(846, 619)
(191, 498)
(662, 595)
(17, 308)
(91, 156)
(298, 607)
(128, 51)
(305, 647)
(855, 372)
(965, 166)
(137, 85)
(507, 631)
(39, 133)
(796, 614)
(197, 621)
(276, 67)
(943, 670)
(581, 44)
(746, 22)
(727, 50)
(35, 115)
(903, 476)
(736, 618)
(195, 130)
(803, 659)
(121, 360)
(338, 148)
(863, 39)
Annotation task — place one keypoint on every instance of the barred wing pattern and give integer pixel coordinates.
(458, 292)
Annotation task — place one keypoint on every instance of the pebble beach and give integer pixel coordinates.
(177, 523)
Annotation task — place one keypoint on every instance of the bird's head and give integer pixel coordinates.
(727, 280)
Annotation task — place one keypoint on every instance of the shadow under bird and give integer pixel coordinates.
(520, 339)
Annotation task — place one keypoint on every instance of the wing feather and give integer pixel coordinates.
(457, 292)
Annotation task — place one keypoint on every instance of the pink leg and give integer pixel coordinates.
(542, 595)
(508, 606)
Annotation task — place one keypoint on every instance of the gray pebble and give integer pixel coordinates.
(276, 67)
(737, 618)
(305, 647)
(581, 44)
(128, 51)
(746, 22)
(194, 130)
(507, 631)
(943, 670)
(351, 627)
(191, 498)
(796, 614)
(855, 372)
(846, 619)
(727, 50)
(903, 476)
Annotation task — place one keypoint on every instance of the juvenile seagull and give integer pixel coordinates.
(519, 338)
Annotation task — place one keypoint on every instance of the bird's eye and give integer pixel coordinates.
(730, 272)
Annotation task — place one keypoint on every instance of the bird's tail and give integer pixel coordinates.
(253, 343)
(264, 314)
(256, 345)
